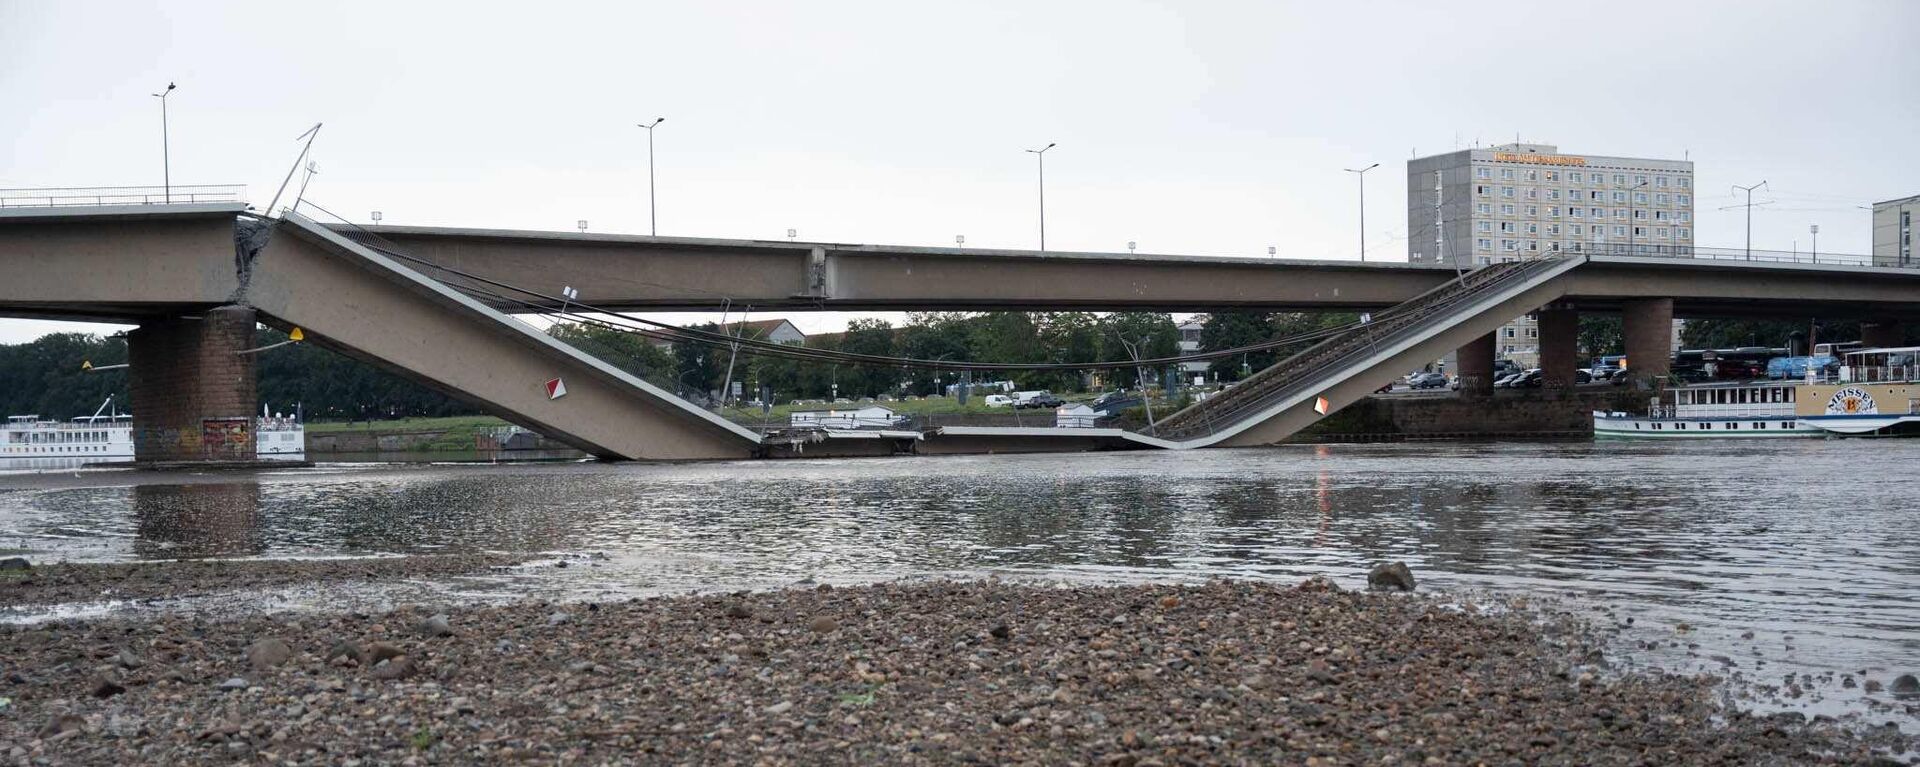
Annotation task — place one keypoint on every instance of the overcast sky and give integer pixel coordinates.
(1198, 128)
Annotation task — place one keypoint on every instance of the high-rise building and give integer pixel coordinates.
(1893, 231)
(1517, 201)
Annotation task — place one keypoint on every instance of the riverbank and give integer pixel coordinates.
(183, 579)
(924, 672)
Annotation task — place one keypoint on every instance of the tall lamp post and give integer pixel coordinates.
(1362, 173)
(1815, 228)
(1041, 155)
(1749, 191)
(166, 161)
(653, 208)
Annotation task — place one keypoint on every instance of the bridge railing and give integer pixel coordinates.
(1649, 250)
(58, 197)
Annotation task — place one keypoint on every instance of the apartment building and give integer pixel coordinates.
(1893, 231)
(1518, 201)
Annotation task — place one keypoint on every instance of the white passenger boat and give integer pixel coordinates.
(1876, 392)
(32, 442)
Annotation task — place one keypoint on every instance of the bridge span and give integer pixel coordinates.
(196, 277)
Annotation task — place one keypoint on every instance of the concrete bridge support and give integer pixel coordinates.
(1559, 326)
(1476, 366)
(1882, 334)
(193, 393)
(1648, 323)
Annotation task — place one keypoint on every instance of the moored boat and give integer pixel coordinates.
(1875, 392)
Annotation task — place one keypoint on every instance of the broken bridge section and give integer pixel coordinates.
(376, 308)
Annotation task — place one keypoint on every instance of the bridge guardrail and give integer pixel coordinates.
(92, 196)
(1645, 250)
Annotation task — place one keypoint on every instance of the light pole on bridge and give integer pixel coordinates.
(166, 159)
(1362, 173)
(653, 207)
(1749, 191)
(1041, 155)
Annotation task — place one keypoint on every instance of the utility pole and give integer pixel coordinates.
(1041, 155)
(1749, 206)
(1362, 173)
(166, 159)
(653, 207)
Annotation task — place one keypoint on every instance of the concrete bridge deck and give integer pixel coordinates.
(156, 264)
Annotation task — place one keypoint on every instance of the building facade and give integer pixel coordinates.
(1893, 231)
(1519, 201)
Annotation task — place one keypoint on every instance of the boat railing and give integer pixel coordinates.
(1880, 374)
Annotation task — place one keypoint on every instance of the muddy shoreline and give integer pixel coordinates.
(918, 672)
(177, 579)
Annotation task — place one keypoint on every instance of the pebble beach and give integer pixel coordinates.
(917, 672)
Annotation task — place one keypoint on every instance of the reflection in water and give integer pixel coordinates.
(191, 521)
(1811, 538)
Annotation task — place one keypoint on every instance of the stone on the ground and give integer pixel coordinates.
(234, 683)
(397, 668)
(15, 563)
(267, 653)
(824, 625)
(1394, 576)
(436, 626)
(1905, 684)
(106, 686)
(379, 651)
(558, 618)
(62, 723)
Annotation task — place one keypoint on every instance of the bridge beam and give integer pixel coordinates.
(193, 393)
(1476, 366)
(1648, 323)
(1559, 326)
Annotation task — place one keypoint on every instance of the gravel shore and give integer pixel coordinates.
(916, 673)
(67, 583)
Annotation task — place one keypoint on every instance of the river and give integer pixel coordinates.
(1779, 557)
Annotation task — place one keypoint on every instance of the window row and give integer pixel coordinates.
(1554, 195)
(1596, 234)
(1583, 177)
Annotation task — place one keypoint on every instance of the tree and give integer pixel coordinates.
(1151, 334)
(1601, 335)
(634, 353)
(872, 337)
(1227, 330)
(697, 366)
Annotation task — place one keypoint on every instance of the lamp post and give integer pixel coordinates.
(959, 240)
(1632, 223)
(1362, 173)
(377, 215)
(1749, 191)
(166, 159)
(1131, 245)
(582, 223)
(1041, 155)
(1815, 228)
(653, 208)
(1273, 252)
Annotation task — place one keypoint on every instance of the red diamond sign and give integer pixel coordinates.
(556, 389)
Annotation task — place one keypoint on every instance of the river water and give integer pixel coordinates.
(1780, 557)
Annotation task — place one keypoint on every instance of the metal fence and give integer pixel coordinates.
(1646, 250)
(58, 197)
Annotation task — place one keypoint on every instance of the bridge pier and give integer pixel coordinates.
(1559, 326)
(1648, 323)
(1882, 334)
(1475, 363)
(193, 393)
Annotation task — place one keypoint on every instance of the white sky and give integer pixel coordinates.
(1201, 128)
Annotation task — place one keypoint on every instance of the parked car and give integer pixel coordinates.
(998, 400)
(1428, 381)
(1506, 381)
(1582, 377)
(1036, 400)
(1621, 377)
(1600, 373)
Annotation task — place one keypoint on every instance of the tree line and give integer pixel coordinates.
(44, 376)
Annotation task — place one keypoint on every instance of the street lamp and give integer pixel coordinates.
(1362, 173)
(1633, 225)
(791, 234)
(1041, 155)
(1131, 245)
(166, 159)
(582, 223)
(1273, 252)
(959, 240)
(377, 215)
(1815, 228)
(653, 209)
(1749, 191)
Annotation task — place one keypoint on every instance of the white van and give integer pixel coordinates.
(999, 400)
